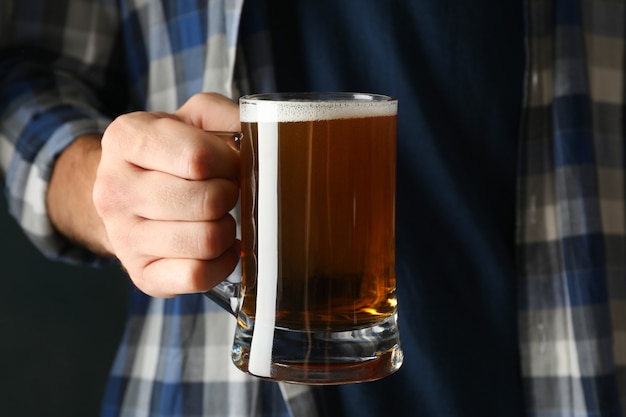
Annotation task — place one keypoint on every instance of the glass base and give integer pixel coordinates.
(320, 357)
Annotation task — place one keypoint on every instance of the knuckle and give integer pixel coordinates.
(116, 132)
(107, 194)
(216, 237)
(197, 282)
(130, 133)
(162, 123)
(199, 160)
(219, 199)
(208, 241)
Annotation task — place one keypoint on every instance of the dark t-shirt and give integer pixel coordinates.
(456, 68)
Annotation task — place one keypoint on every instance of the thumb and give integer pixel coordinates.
(210, 111)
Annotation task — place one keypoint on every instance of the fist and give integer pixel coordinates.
(164, 189)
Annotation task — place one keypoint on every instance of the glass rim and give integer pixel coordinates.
(308, 106)
(316, 96)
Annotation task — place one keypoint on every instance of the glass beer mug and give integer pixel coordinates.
(317, 298)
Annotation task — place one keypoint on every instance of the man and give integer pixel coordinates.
(466, 177)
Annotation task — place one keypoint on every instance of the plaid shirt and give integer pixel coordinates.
(571, 229)
(63, 59)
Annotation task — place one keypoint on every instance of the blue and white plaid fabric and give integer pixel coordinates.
(174, 359)
(175, 355)
(571, 240)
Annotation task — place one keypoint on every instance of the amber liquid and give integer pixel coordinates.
(336, 222)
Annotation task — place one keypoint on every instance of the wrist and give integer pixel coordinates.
(69, 197)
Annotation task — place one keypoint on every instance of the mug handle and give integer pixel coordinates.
(226, 293)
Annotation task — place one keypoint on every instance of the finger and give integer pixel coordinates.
(211, 111)
(124, 188)
(169, 277)
(149, 239)
(161, 196)
(153, 141)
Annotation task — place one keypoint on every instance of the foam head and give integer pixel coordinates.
(301, 107)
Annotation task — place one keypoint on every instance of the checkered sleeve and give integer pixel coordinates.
(56, 59)
(571, 236)
(174, 360)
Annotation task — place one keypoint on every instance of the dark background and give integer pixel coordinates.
(60, 326)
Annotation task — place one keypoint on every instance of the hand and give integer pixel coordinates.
(164, 189)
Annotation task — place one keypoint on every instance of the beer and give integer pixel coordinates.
(331, 181)
(317, 297)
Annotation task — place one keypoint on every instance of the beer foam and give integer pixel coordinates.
(294, 110)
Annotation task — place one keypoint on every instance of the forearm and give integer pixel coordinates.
(69, 197)
(56, 84)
